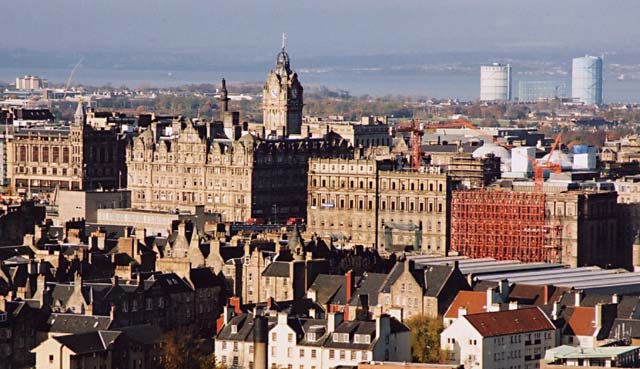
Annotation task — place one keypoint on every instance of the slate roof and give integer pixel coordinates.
(77, 323)
(433, 276)
(369, 285)
(625, 329)
(626, 307)
(85, 343)
(277, 269)
(330, 289)
(509, 322)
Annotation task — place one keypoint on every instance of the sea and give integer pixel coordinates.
(374, 82)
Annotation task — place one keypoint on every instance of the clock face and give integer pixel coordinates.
(294, 93)
(274, 92)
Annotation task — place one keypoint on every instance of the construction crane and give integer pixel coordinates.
(552, 231)
(539, 168)
(70, 79)
(416, 142)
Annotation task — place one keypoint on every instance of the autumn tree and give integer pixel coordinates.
(182, 350)
(425, 339)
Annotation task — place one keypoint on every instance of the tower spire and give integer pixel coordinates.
(284, 40)
(80, 115)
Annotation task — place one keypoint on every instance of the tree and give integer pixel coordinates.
(425, 339)
(184, 351)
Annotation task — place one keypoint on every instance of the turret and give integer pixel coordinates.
(80, 116)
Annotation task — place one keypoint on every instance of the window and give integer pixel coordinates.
(342, 354)
(50, 359)
(273, 336)
(332, 354)
(301, 354)
(313, 353)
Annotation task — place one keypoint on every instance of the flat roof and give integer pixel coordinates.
(571, 352)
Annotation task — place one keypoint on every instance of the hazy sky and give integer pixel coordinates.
(321, 27)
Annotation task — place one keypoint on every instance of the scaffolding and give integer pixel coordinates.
(505, 225)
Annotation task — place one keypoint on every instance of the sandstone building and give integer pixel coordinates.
(374, 203)
(74, 157)
(233, 172)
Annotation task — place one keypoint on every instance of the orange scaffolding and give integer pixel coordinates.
(504, 225)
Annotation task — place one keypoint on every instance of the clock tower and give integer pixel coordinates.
(282, 99)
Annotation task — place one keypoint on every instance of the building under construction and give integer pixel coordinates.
(573, 227)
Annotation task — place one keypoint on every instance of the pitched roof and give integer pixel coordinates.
(582, 322)
(474, 301)
(77, 323)
(277, 269)
(508, 322)
(368, 285)
(330, 289)
(85, 343)
(534, 294)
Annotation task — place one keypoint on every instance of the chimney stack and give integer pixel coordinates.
(349, 286)
(260, 337)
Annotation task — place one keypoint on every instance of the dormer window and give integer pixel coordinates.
(341, 337)
(362, 338)
(3, 317)
(311, 336)
(234, 329)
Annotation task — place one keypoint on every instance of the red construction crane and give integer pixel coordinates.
(539, 168)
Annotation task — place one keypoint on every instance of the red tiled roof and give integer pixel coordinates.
(582, 321)
(534, 294)
(474, 301)
(507, 322)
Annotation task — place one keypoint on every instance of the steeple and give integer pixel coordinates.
(282, 62)
(80, 116)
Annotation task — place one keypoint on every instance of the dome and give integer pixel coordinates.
(491, 148)
(282, 63)
(564, 160)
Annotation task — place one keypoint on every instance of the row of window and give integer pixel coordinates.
(21, 154)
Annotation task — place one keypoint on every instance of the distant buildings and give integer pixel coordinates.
(586, 80)
(495, 82)
(534, 91)
(31, 83)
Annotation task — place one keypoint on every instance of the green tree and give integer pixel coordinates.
(182, 350)
(425, 339)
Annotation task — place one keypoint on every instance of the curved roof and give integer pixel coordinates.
(491, 148)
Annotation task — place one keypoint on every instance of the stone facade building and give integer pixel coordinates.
(74, 157)
(240, 179)
(235, 173)
(370, 202)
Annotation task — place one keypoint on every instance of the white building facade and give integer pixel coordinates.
(515, 339)
(308, 343)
